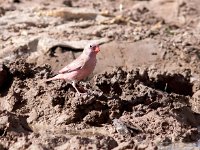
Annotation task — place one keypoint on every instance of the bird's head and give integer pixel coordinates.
(91, 49)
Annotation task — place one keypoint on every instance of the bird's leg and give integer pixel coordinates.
(74, 85)
(81, 88)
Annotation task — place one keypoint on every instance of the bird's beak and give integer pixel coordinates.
(97, 49)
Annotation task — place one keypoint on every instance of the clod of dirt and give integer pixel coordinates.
(4, 123)
(195, 102)
(96, 117)
(196, 86)
(121, 127)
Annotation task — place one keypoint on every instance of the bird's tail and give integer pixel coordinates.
(57, 77)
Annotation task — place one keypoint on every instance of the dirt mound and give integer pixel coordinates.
(125, 107)
(134, 107)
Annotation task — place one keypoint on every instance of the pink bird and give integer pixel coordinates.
(80, 68)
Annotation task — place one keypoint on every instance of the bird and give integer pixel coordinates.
(79, 68)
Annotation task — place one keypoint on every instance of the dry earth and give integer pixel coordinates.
(143, 94)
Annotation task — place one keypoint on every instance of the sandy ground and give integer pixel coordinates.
(143, 94)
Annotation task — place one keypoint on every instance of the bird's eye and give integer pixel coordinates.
(90, 46)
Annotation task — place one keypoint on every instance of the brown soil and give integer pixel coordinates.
(143, 94)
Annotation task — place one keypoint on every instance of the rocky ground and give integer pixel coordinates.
(143, 94)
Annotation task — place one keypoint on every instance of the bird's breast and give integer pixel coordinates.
(87, 69)
(90, 64)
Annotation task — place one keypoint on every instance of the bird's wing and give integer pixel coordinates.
(74, 65)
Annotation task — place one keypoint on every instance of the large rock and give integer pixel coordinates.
(128, 54)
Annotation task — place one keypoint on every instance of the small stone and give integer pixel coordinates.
(32, 116)
(120, 127)
(3, 122)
